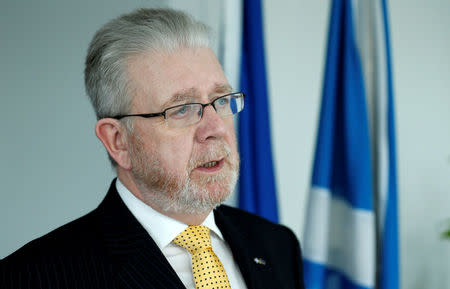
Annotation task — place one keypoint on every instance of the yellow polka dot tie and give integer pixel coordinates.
(207, 270)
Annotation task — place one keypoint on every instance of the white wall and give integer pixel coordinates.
(296, 36)
(421, 46)
(53, 169)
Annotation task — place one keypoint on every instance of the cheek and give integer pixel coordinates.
(176, 153)
(231, 135)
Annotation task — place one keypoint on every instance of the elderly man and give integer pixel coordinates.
(164, 110)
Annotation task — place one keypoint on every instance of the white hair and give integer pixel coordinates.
(144, 30)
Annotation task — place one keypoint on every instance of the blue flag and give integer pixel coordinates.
(257, 192)
(339, 244)
(352, 210)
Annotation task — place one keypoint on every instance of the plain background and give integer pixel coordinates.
(53, 169)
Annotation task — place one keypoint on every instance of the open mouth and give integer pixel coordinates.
(211, 166)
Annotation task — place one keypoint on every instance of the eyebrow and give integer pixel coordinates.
(190, 94)
(223, 88)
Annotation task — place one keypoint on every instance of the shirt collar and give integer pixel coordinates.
(161, 228)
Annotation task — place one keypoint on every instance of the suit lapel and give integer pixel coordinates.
(248, 252)
(136, 260)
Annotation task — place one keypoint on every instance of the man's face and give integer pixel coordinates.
(190, 169)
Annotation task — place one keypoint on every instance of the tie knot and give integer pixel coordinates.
(194, 239)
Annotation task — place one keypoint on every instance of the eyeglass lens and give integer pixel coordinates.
(188, 114)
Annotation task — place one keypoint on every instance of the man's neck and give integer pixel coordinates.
(188, 219)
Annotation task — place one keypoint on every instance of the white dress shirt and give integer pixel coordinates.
(164, 229)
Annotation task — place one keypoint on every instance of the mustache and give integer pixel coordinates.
(215, 152)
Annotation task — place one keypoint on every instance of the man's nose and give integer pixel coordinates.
(211, 126)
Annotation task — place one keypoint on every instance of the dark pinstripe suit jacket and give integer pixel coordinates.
(108, 248)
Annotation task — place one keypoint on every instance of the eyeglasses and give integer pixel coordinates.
(186, 114)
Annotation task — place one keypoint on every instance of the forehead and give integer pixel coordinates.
(161, 78)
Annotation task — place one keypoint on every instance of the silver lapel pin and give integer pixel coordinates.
(259, 261)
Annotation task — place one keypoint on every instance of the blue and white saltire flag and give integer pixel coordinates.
(339, 237)
(350, 170)
(257, 192)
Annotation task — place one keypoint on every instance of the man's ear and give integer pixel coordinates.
(113, 136)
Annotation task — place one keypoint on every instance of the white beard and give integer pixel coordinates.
(182, 194)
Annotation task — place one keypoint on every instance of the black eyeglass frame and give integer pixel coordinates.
(163, 113)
